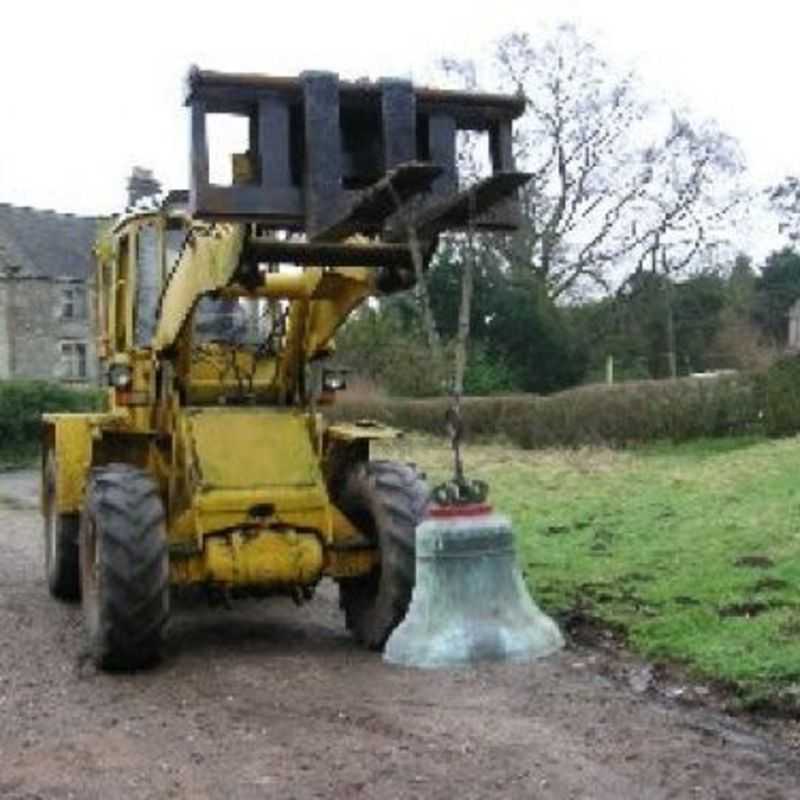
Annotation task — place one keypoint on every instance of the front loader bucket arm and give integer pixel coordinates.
(210, 258)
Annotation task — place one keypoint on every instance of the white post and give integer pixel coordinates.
(610, 370)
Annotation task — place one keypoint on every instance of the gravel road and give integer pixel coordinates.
(268, 700)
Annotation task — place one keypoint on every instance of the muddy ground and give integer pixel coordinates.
(269, 701)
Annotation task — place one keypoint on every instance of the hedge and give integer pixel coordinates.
(22, 404)
(616, 416)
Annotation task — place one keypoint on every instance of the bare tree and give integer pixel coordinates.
(612, 174)
(785, 201)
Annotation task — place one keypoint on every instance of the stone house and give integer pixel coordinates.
(46, 275)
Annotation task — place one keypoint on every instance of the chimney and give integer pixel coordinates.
(142, 186)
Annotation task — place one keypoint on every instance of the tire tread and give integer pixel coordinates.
(392, 499)
(128, 515)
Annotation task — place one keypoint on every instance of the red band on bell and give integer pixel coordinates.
(467, 510)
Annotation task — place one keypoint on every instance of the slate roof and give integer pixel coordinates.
(46, 243)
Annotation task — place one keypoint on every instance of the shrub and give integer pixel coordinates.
(487, 373)
(380, 350)
(782, 411)
(22, 404)
(610, 415)
(740, 345)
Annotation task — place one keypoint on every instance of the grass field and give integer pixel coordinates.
(692, 550)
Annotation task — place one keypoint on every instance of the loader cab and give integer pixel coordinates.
(227, 352)
(134, 259)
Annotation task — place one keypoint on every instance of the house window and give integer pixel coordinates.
(71, 302)
(73, 361)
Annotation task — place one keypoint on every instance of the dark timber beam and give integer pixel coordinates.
(322, 181)
(328, 254)
(466, 207)
(375, 205)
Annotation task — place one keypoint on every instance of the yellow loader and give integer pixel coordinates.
(216, 311)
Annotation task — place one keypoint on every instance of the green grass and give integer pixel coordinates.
(693, 549)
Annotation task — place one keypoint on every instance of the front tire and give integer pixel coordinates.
(386, 501)
(124, 568)
(60, 539)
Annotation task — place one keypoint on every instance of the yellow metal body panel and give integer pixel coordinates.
(363, 429)
(72, 436)
(242, 448)
(337, 294)
(254, 558)
(256, 511)
(208, 262)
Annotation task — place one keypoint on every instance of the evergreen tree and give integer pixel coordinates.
(777, 289)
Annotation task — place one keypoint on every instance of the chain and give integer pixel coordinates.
(460, 490)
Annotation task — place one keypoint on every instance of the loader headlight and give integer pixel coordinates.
(120, 376)
(333, 380)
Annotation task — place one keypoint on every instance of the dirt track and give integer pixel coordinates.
(273, 701)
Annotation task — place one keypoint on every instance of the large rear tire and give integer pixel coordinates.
(60, 539)
(124, 568)
(386, 501)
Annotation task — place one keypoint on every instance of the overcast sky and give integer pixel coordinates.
(87, 90)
